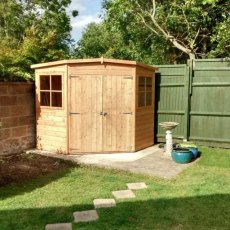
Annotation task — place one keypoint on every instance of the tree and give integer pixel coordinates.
(32, 31)
(97, 41)
(221, 40)
(10, 19)
(134, 44)
(187, 25)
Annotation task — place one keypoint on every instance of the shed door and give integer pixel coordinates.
(117, 104)
(101, 114)
(85, 118)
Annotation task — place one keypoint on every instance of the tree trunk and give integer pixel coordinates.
(191, 56)
(181, 47)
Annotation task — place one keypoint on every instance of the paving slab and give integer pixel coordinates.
(150, 161)
(59, 226)
(104, 203)
(123, 194)
(136, 186)
(85, 216)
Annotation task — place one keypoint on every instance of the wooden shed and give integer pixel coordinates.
(94, 105)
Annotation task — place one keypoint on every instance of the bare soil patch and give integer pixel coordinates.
(22, 167)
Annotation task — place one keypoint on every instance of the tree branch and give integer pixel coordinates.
(154, 8)
(146, 24)
(193, 42)
(158, 30)
(186, 20)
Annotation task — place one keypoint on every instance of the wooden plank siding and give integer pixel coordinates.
(99, 112)
(196, 96)
(171, 99)
(209, 102)
(112, 94)
(144, 117)
(86, 121)
(52, 123)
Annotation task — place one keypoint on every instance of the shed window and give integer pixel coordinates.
(51, 90)
(145, 91)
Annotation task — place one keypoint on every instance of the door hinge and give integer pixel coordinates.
(128, 78)
(73, 113)
(75, 76)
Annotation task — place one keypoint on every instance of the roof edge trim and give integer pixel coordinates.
(102, 61)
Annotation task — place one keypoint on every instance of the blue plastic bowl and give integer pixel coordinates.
(182, 155)
(192, 147)
(194, 151)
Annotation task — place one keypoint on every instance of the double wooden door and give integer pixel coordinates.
(101, 114)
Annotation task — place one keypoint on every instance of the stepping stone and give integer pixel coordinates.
(123, 194)
(63, 226)
(136, 186)
(104, 203)
(85, 216)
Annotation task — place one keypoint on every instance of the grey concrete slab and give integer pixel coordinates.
(136, 186)
(59, 226)
(85, 216)
(150, 161)
(123, 194)
(155, 164)
(104, 203)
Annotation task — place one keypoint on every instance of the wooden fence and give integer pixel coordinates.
(197, 96)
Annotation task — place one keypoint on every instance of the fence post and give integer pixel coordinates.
(188, 75)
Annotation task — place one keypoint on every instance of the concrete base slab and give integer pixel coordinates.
(136, 186)
(98, 157)
(104, 203)
(60, 226)
(123, 194)
(150, 161)
(85, 216)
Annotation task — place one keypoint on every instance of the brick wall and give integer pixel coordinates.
(17, 117)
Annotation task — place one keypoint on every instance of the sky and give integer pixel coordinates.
(89, 11)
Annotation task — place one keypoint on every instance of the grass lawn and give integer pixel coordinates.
(199, 198)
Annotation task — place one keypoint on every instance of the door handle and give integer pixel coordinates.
(103, 113)
(128, 113)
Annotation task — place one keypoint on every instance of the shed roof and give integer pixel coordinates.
(93, 60)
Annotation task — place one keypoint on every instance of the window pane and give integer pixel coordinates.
(56, 82)
(45, 82)
(141, 84)
(45, 98)
(148, 98)
(141, 99)
(56, 99)
(148, 84)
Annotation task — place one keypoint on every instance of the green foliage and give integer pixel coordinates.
(97, 41)
(32, 31)
(221, 40)
(170, 30)
(102, 40)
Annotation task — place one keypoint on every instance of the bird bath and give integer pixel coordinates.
(168, 126)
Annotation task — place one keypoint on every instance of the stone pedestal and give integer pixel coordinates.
(169, 143)
(168, 126)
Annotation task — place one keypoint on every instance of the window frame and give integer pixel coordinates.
(50, 90)
(145, 91)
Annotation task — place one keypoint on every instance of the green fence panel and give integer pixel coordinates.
(197, 96)
(210, 102)
(171, 99)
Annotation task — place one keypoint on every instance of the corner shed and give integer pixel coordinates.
(94, 105)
